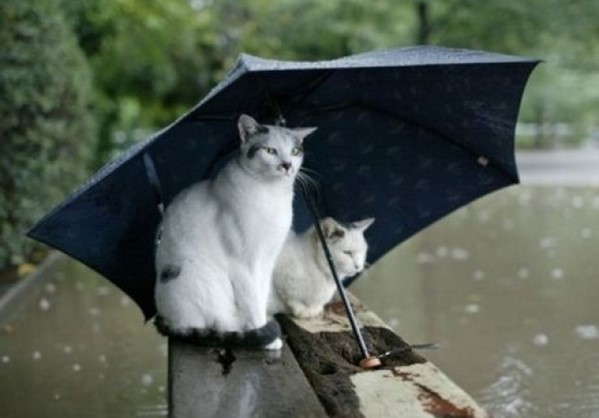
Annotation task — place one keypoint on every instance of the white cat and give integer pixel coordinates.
(302, 281)
(220, 240)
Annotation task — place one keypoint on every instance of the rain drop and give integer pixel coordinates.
(442, 251)
(76, 367)
(587, 332)
(5, 359)
(540, 340)
(94, 311)
(125, 301)
(50, 288)
(460, 254)
(36, 355)
(44, 304)
(103, 291)
(483, 216)
(478, 275)
(523, 273)
(67, 349)
(577, 202)
(548, 242)
(557, 274)
(425, 258)
(585, 233)
(472, 308)
(147, 379)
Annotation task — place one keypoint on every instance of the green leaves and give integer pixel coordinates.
(44, 121)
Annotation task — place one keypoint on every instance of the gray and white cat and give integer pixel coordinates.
(302, 280)
(220, 240)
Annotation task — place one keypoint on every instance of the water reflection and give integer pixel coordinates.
(508, 286)
(79, 348)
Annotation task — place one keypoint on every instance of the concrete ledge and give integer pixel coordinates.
(315, 375)
(405, 386)
(207, 382)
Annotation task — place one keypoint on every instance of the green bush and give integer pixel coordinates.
(45, 124)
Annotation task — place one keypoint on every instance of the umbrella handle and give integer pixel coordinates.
(368, 361)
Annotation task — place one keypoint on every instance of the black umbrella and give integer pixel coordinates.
(405, 136)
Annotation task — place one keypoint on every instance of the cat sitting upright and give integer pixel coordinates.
(302, 281)
(220, 239)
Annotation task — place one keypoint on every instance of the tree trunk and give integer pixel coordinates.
(424, 29)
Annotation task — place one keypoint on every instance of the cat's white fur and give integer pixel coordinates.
(225, 235)
(302, 281)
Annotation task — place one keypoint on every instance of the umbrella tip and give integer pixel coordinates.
(370, 362)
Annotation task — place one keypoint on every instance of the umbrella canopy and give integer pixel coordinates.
(405, 136)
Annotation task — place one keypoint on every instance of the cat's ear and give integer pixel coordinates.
(363, 224)
(301, 133)
(248, 126)
(331, 229)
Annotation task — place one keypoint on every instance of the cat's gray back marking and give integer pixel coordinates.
(169, 272)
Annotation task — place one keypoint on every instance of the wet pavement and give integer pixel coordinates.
(508, 286)
(79, 348)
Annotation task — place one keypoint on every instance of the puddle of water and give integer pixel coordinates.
(78, 348)
(508, 287)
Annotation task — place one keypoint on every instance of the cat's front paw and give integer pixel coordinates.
(275, 345)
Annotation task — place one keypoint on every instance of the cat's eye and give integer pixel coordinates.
(350, 253)
(296, 151)
(271, 151)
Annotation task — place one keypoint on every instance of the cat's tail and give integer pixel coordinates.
(255, 338)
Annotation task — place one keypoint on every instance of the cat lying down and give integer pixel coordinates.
(302, 280)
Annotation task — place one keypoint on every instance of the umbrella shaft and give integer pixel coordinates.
(347, 305)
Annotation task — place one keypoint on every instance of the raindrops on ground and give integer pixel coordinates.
(44, 304)
(540, 340)
(587, 332)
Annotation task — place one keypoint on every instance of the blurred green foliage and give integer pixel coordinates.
(44, 117)
(152, 60)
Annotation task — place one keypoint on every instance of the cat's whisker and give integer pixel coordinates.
(307, 183)
(310, 171)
